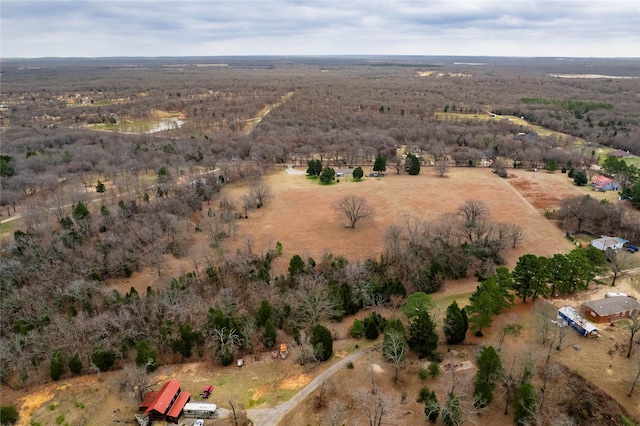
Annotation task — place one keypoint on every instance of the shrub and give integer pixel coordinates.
(435, 356)
(424, 394)
(423, 373)
(434, 370)
(226, 358)
(357, 329)
(358, 173)
(8, 415)
(373, 325)
(104, 360)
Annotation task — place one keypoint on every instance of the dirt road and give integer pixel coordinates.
(271, 416)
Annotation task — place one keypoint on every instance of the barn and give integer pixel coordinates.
(167, 402)
(611, 309)
(571, 317)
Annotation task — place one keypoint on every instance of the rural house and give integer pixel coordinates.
(603, 183)
(611, 308)
(604, 243)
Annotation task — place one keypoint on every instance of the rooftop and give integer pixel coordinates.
(613, 305)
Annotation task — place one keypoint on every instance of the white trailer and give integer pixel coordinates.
(203, 410)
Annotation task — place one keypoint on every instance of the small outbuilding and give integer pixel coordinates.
(604, 243)
(571, 317)
(611, 309)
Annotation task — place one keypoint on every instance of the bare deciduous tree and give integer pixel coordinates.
(335, 413)
(631, 326)
(317, 307)
(136, 381)
(516, 235)
(394, 348)
(354, 208)
(472, 211)
(261, 192)
(635, 379)
(543, 313)
(617, 260)
(442, 166)
(374, 403)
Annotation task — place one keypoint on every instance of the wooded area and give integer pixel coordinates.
(99, 201)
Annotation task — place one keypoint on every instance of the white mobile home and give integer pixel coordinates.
(572, 318)
(203, 410)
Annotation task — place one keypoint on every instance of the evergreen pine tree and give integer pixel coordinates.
(269, 335)
(454, 324)
(422, 334)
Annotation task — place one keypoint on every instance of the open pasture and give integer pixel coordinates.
(302, 216)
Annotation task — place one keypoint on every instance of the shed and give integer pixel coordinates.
(203, 410)
(579, 324)
(611, 308)
(604, 243)
(175, 412)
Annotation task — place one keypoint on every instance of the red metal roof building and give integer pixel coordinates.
(147, 400)
(163, 401)
(176, 409)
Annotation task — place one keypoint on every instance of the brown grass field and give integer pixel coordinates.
(301, 215)
(302, 218)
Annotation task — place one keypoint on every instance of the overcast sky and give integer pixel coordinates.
(578, 28)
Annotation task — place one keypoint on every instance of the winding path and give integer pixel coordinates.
(272, 415)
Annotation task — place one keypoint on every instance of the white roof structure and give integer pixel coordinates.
(605, 243)
(200, 406)
(574, 316)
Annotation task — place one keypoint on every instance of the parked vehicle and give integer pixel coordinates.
(198, 422)
(631, 249)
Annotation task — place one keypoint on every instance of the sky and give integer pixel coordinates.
(524, 28)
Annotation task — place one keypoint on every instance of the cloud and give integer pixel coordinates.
(188, 28)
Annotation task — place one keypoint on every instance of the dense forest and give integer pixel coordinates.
(66, 131)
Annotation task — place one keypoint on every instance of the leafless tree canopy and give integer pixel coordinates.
(355, 209)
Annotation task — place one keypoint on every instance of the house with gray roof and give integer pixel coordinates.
(611, 309)
(604, 243)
